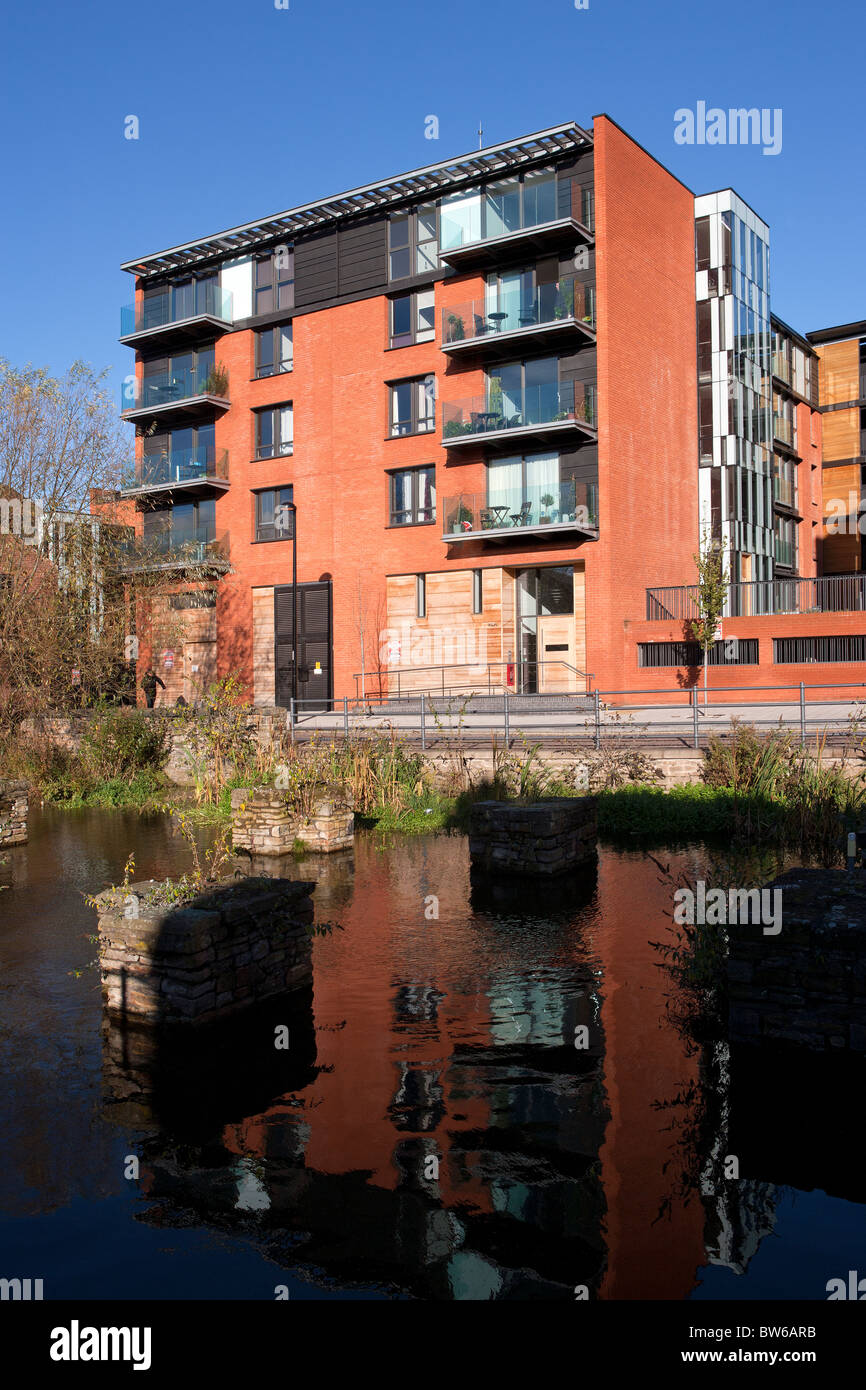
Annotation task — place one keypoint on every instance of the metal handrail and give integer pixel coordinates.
(381, 676)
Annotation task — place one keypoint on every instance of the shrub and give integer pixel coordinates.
(124, 742)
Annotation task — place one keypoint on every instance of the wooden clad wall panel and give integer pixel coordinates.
(263, 647)
(840, 372)
(841, 434)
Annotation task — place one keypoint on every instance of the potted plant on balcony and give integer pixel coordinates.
(217, 383)
(547, 502)
(462, 520)
(456, 328)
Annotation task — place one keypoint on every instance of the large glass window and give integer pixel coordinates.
(274, 351)
(413, 496)
(413, 406)
(274, 431)
(274, 514)
(274, 281)
(412, 242)
(412, 319)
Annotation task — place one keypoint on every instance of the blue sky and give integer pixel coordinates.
(246, 109)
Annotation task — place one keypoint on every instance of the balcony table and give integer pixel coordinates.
(497, 320)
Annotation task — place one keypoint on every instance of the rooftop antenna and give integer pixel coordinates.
(480, 136)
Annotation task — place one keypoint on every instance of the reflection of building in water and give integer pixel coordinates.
(737, 1219)
(447, 1136)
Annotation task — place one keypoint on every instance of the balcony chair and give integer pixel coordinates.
(524, 516)
(480, 326)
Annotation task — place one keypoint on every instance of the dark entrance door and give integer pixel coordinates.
(314, 645)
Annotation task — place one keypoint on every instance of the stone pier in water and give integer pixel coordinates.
(14, 806)
(264, 822)
(543, 838)
(236, 944)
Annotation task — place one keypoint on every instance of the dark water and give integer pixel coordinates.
(435, 1132)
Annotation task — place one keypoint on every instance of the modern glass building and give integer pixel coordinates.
(735, 384)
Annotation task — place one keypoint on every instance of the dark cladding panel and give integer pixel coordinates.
(363, 252)
(316, 268)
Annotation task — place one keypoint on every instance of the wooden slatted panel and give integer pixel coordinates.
(841, 434)
(840, 372)
(263, 647)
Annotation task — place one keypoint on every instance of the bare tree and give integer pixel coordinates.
(63, 609)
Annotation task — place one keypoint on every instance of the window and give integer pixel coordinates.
(275, 517)
(412, 319)
(413, 242)
(413, 496)
(274, 353)
(182, 374)
(274, 431)
(495, 209)
(197, 598)
(184, 524)
(274, 281)
(702, 243)
(183, 299)
(477, 592)
(421, 595)
(412, 406)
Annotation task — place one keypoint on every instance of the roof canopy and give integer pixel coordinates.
(429, 182)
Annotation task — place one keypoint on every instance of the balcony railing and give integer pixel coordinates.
(488, 318)
(173, 550)
(781, 367)
(836, 593)
(205, 301)
(177, 468)
(784, 491)
(568, 504)
(525, 410)
(173, 387)
(783, 429)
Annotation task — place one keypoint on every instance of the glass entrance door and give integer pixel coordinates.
(545, 630)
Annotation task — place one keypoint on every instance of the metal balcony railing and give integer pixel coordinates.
(546, 404)
(503, 509)
(176, 468)
(837, 593)
(564, 301)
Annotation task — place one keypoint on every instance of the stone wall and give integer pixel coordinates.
(263, 822)
(806, 985)
(14, 806)
(672, 766)
(235, 945)
(548, 837)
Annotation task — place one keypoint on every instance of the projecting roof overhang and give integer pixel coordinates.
(429, 182)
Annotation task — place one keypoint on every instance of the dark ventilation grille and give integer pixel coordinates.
(794, 651)
(742, 651)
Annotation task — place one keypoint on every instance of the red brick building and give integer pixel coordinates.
(463, 406)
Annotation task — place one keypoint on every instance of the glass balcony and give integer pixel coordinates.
(783, 429)
(785, 552)
(784, 491)
(781, 367)
(490, 323)
(166, 550)
(187, 469)
(502, 416)
(175, 388)
(503, 511)
(477, 224)
(179, 312)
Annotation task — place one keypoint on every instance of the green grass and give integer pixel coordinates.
(692, 810)
(143, 791)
